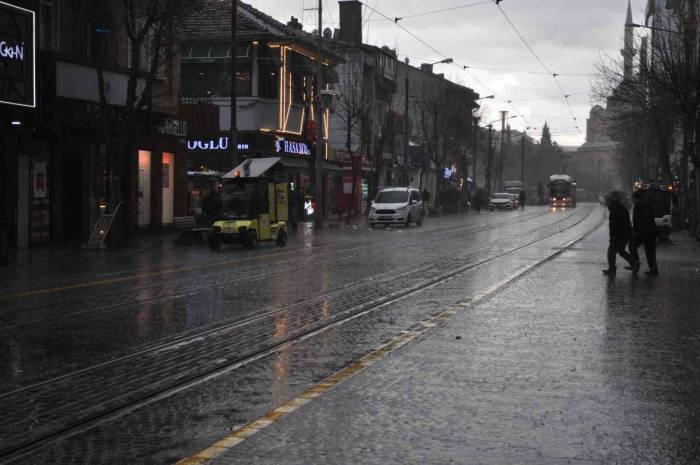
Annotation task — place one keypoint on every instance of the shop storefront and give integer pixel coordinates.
(161, 187)
(358, 168)
(18, 114)
(209, 158)
(79, 170)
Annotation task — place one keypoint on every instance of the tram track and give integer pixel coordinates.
(433, 273)
(222, 278)
(123, 275)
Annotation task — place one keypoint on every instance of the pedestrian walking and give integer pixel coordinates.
(425, 197)
(293, 208)
(521, 199)
(212, 204)
(643, 233)
(620, 233)
(478, 199)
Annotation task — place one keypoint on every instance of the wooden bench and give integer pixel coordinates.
(187, 226)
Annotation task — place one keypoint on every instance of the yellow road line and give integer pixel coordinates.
(239, 435)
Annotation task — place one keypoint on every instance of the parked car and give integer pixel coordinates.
(396, 205)
(501, 201)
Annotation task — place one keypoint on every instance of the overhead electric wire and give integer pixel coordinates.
(433, 49)
(442, 10)
(465, 68)
(442, 55)
(544, 66)
(558, 96)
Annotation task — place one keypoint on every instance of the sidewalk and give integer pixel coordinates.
(564, 366)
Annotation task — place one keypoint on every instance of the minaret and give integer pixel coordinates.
(628, 52)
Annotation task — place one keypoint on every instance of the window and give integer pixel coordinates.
(391, 197)
(302, 76)
(268, 72)
(206, 70)
(103, 43)
(213, 79)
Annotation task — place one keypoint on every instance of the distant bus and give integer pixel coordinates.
(562, 191)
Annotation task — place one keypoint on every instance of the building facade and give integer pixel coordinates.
(66, 157)
(275, 91)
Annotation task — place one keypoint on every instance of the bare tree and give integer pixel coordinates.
(151, 31)
(378, 133)
(353, 109)
(664, 95)
(444, 126)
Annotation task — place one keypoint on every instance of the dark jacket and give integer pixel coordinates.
(620, 225)
(643, 224)
(521, 197)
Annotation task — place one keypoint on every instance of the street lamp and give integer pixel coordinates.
(652, 28)
(446, 61)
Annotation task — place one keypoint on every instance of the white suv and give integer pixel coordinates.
(396, 205)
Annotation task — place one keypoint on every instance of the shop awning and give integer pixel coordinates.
(252, 168)
(256, 167)
(303, 164)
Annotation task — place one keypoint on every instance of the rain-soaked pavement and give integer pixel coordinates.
(152, 355)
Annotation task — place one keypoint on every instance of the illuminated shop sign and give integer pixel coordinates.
(220, 144)
(291, 147)
(264, 143)
(174, 127)
(17, 55)
(11, 52)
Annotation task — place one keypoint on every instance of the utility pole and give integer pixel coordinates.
(436, 152)
(522, 159)
(318, 167)
(405, 130)
(499, 174)
(474, 145)
(488, 162)
(233, 131)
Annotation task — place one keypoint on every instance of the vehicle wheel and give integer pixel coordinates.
(420, 221)
(408, 221)
(214, 241)
(251, 240)
(282, 238)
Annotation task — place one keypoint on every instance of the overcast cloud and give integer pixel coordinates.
(568, 35)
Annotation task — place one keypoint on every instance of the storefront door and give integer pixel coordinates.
(168, 187)
(144, 202)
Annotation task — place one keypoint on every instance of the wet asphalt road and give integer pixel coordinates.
(148, 356)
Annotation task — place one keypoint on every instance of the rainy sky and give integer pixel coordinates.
(568, 36)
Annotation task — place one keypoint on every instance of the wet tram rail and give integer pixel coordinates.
(14, 313)
(39, 322)
(213, 260)
(66, 404)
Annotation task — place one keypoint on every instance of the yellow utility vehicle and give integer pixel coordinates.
(254, 208)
